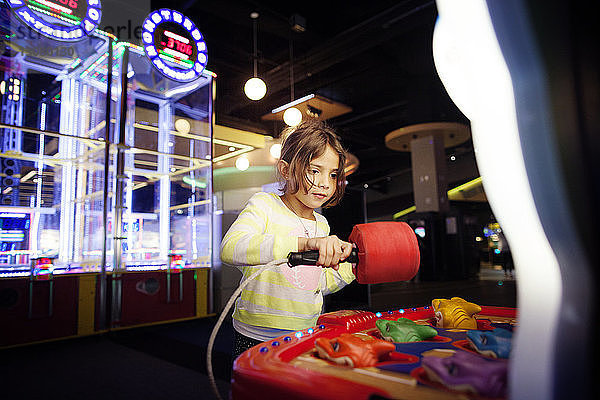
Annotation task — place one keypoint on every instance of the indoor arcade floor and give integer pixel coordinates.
(168, 361)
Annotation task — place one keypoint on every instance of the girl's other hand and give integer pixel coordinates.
(331, 249)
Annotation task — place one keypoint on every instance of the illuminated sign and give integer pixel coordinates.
(68, 20)
(174, 45)
(14, 229)
(12, 236)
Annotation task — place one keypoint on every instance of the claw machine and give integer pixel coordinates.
(161, 219)
(102, 226)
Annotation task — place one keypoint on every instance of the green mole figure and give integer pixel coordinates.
(404, 330)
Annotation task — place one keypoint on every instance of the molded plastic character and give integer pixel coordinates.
(496, 343)
(352, 351)
(468, 372)
(404, 330)
(455, 313)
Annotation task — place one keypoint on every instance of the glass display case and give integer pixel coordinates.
(113, 217)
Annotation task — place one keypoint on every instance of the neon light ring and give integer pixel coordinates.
(66, 20)
(174, 45)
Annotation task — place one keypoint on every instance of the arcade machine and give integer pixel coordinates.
(113, 219)
(448, 244)
(522, 72)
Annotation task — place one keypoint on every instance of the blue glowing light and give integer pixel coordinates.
(42, 24)
(310, 330)
(401, 311)
(420, 231)
(299, 335)
(497, 251)
(155, 22)
(378, 314)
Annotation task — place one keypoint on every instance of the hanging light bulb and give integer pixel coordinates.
(242, 163)
(183, 126)
(275, 150)
(292, 116)
(255, 88)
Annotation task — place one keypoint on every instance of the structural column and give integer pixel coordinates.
(430, 185)
(427, 142)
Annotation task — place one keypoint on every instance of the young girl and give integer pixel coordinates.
(282, 300)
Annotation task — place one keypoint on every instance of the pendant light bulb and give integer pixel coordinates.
(292, 116)
(255, 88)
(242, 163)
(275, 150)
(183, 126)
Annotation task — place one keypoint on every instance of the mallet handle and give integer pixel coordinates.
(310, 257)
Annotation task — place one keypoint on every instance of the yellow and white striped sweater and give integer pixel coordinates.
(283, 297)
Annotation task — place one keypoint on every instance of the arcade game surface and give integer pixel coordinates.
(292, 366)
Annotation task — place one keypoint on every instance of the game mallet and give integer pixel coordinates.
(385, 251)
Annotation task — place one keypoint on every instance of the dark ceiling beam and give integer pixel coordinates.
(237, 13)
(243, 124)
(345, 46)
(345, 121)
(360, 139)
(359, 136)
(222, 63)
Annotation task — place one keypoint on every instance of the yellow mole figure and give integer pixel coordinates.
(455, 313)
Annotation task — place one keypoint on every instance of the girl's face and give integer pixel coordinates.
(322, 172)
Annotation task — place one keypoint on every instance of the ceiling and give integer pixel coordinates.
(377, 60)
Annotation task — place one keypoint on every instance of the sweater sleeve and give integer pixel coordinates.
(247, 242)
(335, 280)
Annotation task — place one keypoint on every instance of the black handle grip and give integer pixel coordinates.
(310, 257)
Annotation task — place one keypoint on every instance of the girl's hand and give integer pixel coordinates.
(331, 249)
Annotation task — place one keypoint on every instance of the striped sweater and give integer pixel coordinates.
(282, 297)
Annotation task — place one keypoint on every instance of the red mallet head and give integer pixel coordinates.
(387, 252)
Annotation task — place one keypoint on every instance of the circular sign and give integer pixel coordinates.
(68, 20)
(174, 45)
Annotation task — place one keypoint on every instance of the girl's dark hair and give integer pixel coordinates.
(301, 144)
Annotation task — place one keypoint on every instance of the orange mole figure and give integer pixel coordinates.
(352, 351)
